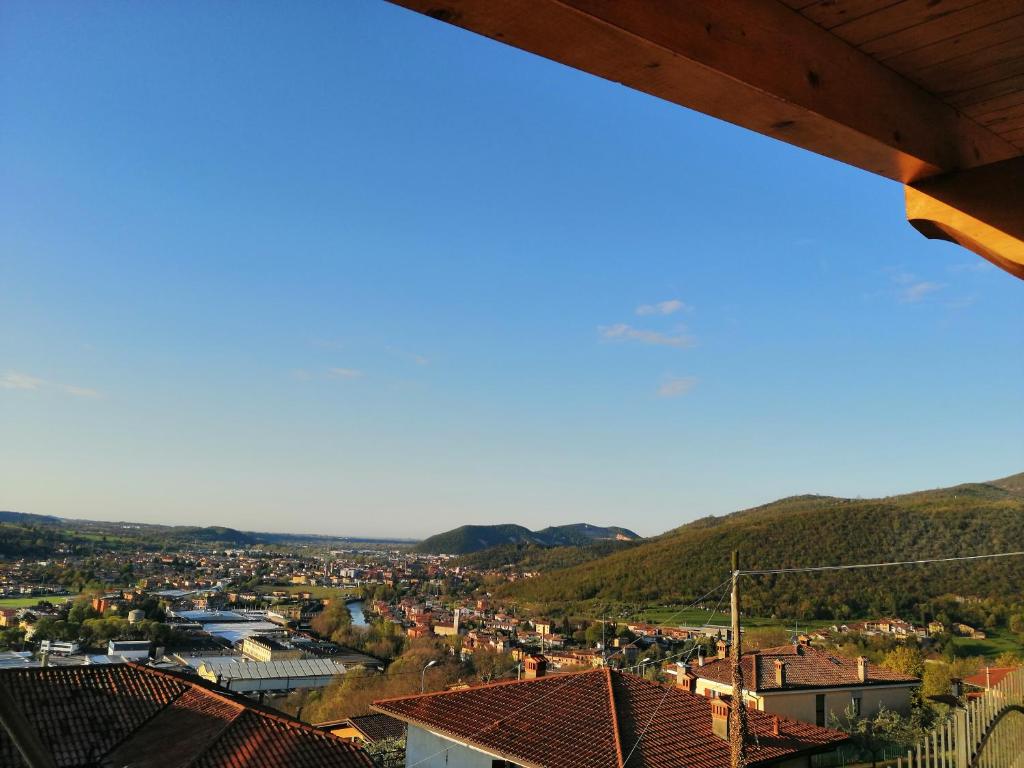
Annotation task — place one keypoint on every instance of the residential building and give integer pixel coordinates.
(366, 729)
(984, 679)
(128, 714)
(804, 683)
(591, 719)
(60, 647)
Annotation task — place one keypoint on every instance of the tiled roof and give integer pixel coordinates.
(806, 667)
(128, 714)
(594, 719)
(377, 726)
(989, 676)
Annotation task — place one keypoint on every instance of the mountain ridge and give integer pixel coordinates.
(812, 530)
(467, 539)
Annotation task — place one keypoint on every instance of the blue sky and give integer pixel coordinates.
(338, 267)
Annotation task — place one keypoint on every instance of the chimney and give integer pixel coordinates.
(754, 682)
(535, 666)
(720, 719)
(775, 725)
(700, 657)
(862, 669)
(723, 649)
(780, 673)
(684, 680)
(956, 687)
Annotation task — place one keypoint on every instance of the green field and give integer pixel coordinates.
(27, 602)
(997, 641)
(316, 592)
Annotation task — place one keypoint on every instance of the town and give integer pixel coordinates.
(323, 634)
(512, 384)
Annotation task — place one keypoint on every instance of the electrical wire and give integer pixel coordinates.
(771, 571)
(668, 689)
(555, 688)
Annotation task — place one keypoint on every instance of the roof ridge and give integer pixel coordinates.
(495, 684)
(615, 717)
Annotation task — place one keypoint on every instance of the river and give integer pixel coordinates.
(356, 610)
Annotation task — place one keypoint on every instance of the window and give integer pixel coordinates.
(856, 705)
(819, 709)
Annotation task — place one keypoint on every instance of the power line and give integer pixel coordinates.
(852, 566)
(668, 688)
(555, 688)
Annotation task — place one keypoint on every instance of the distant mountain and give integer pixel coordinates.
(969, 519)
(212, 534)
(27, 518)
(473, 538)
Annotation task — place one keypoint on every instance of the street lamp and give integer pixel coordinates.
(423, 674)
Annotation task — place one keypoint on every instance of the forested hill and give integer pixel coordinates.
(473, 538)
(819, 530)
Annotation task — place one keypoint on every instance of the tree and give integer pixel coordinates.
(873, 735)
(489, 664)
(906, 659)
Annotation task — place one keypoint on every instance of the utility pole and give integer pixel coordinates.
(738, 712)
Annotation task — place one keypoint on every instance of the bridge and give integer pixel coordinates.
(987, 732)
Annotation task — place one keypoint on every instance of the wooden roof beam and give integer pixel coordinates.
(981, 209)
(754, 63)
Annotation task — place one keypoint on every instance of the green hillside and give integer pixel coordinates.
(818, 530)
(473, 538)
(528, 556)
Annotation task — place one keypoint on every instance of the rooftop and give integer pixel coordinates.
(989, 676)
(594, 719)
(806, 667)
(232, 667)
(130, 714)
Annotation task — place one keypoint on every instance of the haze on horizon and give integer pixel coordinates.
(347, 270)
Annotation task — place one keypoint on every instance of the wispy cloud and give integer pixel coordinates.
(919, 291)
(676, 386)
(912, 289)
(963, 302)
(13, 380)
(348, 374)
(74, 391)
(624, 332)
(669, 307)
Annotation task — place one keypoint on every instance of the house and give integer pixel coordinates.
(366, 729)
(591, 719)
(985, 679)
(128, 714)
(804, 683)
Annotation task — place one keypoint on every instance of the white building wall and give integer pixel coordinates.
(438, 752)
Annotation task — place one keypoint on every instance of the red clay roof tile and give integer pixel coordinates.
(130, 714)
(806, 667)
(595, 719)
